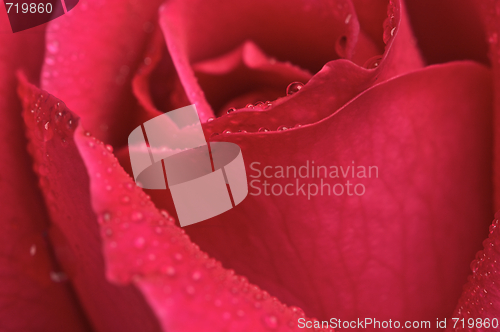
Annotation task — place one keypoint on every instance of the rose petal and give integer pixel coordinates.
(30, 276)
(480, 298)
(188, 290)
(278, 27)
(490, 11)
(156, 85)
(65, 185)
(244, 73)
(339, 81)
(129, 223)
(401, 250)
(449, 30)
(89, 66)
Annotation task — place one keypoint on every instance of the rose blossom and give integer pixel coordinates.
(90, 250)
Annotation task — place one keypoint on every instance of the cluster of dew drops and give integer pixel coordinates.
(291, 89)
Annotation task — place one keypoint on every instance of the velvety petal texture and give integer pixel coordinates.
(65, 184)
(480, 300)
(398, 251)
(188, 290)
(32, 284)
(90, 65)
(195, 32)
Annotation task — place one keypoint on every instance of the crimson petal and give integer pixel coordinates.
(401, 250)
(31, 283)
(89, 66)
(65, 185)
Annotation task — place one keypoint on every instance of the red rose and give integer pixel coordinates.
(409, 92)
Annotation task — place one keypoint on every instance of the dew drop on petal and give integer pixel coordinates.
(53, 47)
(137, 216)
(196, 275)
(210, 119)
(190, 290)
(283, 128)
(139, 242)
(231, 110)
(270, 321)
(263, 129)
(293, 87)
(373, 62)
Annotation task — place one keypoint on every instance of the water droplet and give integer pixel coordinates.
(139, 242)
(169, 271)
(270, 321)
(390, 22)
(58, 276)
(231, 110)
(348, 18)
(293, 87)
(109, 148)
(263, 129)
(53, 47)
(178, 256)
(298, 311)
(106, 216)
(196, 275)
(125, 200)
(373, 62)
(136, 216)
(210, 119)
(50, 61)
(493, 38)
(227, 131)
(249, 106)
(190, 290)
(283, 128)
(33, 250)
(109, 188)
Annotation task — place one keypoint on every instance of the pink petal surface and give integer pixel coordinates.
(26, 257)
(449, 30)
(400, 251)
(338, 82)
(188, 290)
(480, 300)
(65, 184)
(491, 19)
(278, 28)
(89, 66)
